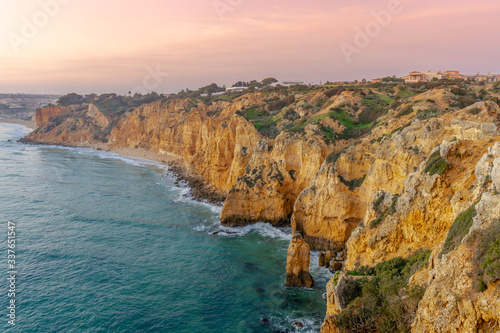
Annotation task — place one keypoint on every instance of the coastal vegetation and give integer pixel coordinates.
(383, 300)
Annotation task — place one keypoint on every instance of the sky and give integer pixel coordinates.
(85, 46)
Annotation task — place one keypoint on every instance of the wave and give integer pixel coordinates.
(319, 273)
(265, 230)
(16, 130)
(310, 325)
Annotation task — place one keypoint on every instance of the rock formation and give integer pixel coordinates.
(297, 263)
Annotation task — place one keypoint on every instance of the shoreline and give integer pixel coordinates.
(27, 123)
(199, 189)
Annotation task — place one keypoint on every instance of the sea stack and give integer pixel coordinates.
(297, 263)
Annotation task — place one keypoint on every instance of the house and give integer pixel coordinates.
(377, 80)
(452, 75)
(416, 77)
(291, 83)
(236, 89)
(482, 78)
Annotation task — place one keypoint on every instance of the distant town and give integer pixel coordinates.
(23, 105)
(413, 77)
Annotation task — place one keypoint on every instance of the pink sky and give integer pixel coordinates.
(106, 46)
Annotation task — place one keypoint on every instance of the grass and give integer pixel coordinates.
(458, 230)
(436, 164)
(262, 120)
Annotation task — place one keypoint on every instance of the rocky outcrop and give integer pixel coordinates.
(273, 179)
(420, 217)
(43, 116)
(297, 263)
(216, 148)
(454, 302)
(341, 193)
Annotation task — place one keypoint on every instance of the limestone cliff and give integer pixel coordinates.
(421, 212)
(216, 147)
(297, 263)
(340, 194)
(387, 174)
(275, 175)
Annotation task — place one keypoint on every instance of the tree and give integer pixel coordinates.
(70, 99)
(269, 81)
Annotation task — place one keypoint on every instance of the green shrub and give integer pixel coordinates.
(328, 133)
(474, 111)
(334, 92)
(436, 164)
(281, 103)
(352, 184)
(386, 301)
(486, 245)
(383, 214)
(406, 111)
(458, 230)
(426, 114)
(333, 157)
(463, 101)
(458, 91)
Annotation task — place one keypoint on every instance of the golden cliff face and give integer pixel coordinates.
(217, 148)
(462, 170)
(454, 301)
(42, 116)
(69, 125)
(277, 172)
(340, 194)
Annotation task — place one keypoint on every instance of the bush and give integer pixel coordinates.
(436, 164)
(383, 214)
(333, 157)
(70, 99)
(291, 115)
(426, 114)
(458, 230)
(474, 111)
(463, 101)
(281, 103)
(458, 91)
(334, 92)
(406, 111)
(352, 184)
(387, 303)
(487, 255)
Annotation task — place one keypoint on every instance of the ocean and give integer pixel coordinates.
(105, 243)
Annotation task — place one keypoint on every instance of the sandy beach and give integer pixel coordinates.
(28, 123)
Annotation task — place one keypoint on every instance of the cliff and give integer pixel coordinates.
(382, 174)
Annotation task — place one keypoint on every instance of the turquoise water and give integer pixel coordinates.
(111, 244)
